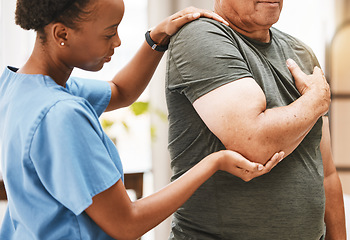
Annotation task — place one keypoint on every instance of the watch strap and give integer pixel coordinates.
(153, 45)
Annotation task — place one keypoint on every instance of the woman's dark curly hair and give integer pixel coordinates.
(36, 14)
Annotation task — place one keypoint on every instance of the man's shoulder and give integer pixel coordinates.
(200, 27)
(206, 22)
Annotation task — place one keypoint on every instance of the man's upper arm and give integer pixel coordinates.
(196, 66)
(216, 78)
(231, 111)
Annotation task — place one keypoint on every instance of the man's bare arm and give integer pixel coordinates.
(236, 113)
(334, 215)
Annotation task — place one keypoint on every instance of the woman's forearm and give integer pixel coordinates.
(120, 218)
(132, 80)
(152, 210)
(113, 211)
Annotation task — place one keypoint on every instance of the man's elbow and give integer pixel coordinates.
(254, 152)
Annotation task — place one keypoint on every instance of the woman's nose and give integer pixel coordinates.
(117, 42)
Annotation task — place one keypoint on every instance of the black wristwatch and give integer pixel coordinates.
(153, 45)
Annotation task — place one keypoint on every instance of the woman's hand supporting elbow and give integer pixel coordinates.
(113, 211)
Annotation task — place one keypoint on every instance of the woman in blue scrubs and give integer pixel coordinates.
(63, 175)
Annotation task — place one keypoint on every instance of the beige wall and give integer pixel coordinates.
(340, 108)
(342, 9)
(206, 4)
(345, 179)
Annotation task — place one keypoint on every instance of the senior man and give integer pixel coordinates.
(230, 87)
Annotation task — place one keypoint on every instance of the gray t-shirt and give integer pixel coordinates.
(288, 202)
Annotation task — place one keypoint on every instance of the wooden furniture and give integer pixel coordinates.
(133, 181)
(2, 191)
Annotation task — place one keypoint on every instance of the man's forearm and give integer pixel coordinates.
(283, 128)
(250, 128)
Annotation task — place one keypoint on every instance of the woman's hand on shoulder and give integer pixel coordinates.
(234, 163)
(162, 32)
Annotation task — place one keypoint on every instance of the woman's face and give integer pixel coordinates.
(93, 43)
(250, 15)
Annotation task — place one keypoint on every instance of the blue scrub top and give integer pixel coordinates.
(55, 155)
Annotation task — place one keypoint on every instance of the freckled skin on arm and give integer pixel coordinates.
(246, 126)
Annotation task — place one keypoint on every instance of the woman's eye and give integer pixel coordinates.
(110, 36)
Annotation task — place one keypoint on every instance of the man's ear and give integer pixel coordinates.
(60, 34)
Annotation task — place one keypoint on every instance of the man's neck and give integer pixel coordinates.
(258, 35)
(257, 32)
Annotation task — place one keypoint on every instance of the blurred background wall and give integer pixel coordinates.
(322, 24)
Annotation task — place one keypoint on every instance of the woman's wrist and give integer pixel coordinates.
(223, 160)
(217, 160)
(154, 45)
(160, 38)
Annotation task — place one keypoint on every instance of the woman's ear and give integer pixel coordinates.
(60, 34)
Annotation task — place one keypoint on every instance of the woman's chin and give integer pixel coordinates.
(94, 68)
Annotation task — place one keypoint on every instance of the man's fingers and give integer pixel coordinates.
(299, 76)
(295, 70)
(318, 72)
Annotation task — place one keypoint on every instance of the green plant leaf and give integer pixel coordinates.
(106, 124)
(139, 108)
(153, 131)
(161, 115)
(126, 126)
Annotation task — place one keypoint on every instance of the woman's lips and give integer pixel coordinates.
(108, 59)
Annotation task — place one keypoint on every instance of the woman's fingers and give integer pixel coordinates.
(182, 19)
(259, 170)
(241, 162)
(189, 14)
(214, 16)
(162, 32)
(276, 158)
(176, 23)
(238, 165)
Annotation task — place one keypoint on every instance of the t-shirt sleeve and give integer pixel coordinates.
(96, 92)
(69, 155)
(203, 56)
